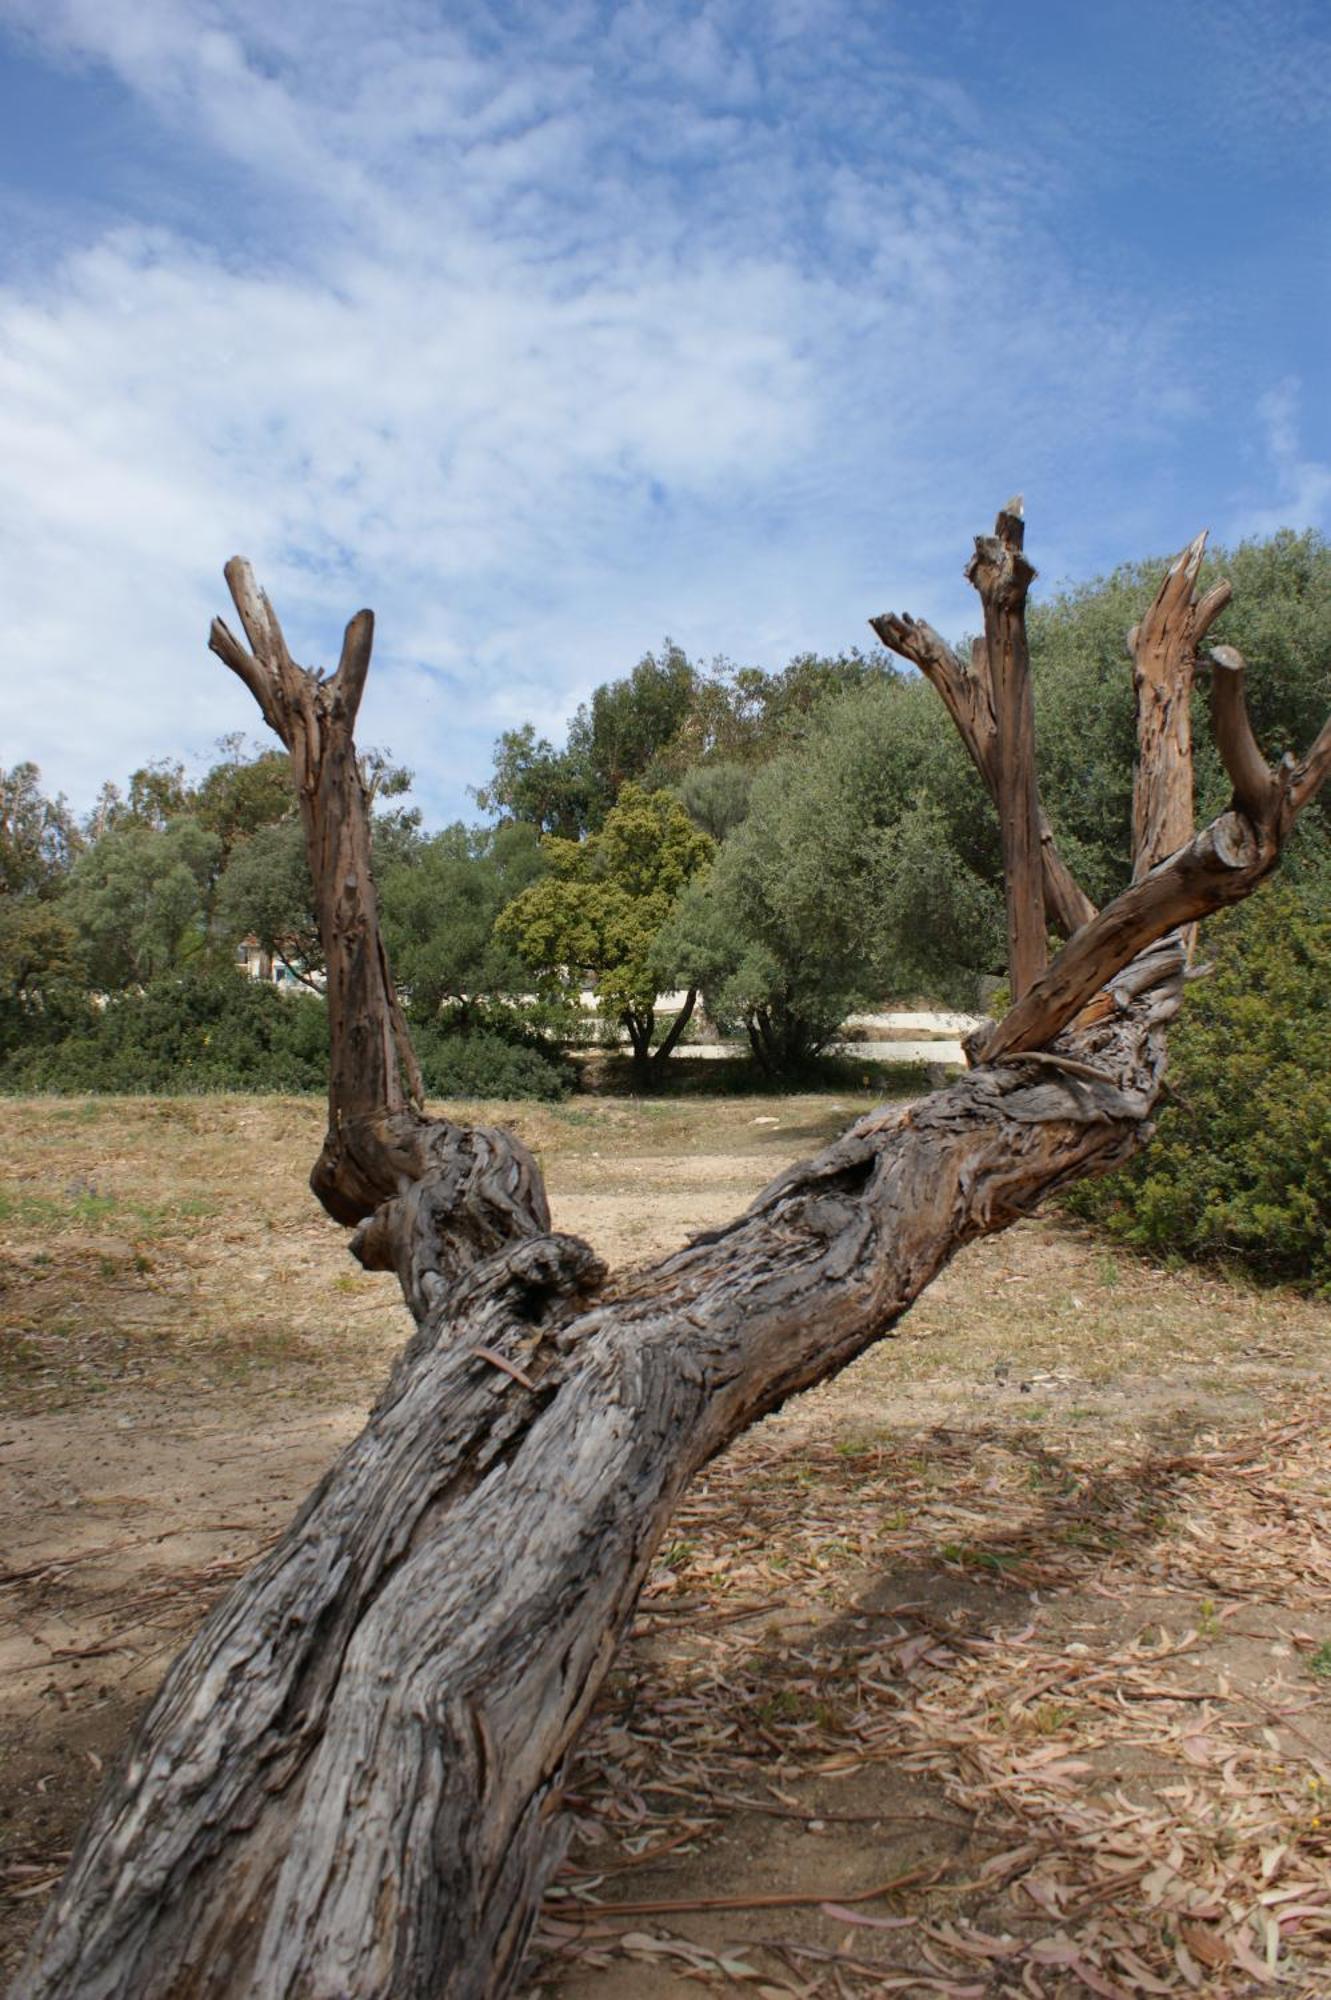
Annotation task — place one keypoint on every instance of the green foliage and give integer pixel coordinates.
(773, 710)
(532, 781)
(492, 1055)
(662, 721)
(1280, 619)
(599, 913)
(204, 1031)
(716, 796)
(220, 1031)
(38, 953)
(439, 910)
(631, 723)
(38, 838)
(39, 961)
(137, 901)
(1240, 1168)
(265, 892)
(621, 736)
(844, 883)
(242, 796)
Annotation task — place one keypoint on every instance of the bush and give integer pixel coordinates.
(494, 1057)
(224, 1032)
(215, 1031)
(1240, 1168)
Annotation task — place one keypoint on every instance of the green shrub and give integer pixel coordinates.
(492, 1057)
(1240, 1167)
(204, 1031)
(224, 1032)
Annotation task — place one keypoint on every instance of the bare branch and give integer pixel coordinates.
(1221, 865)
(1308, 777)
(1256, 785)
(966, 693)
(1002, 576)
(374, 1077)
(223, 642)
(1067, 906)
(354, 665)
(1163, 648)
(256, 615)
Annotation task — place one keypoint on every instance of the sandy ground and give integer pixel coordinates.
(164, 1421)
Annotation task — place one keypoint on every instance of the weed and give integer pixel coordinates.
(983, 1559)
(786, 1705)
(1319, 1662)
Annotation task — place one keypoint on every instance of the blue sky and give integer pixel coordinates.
(548, 330)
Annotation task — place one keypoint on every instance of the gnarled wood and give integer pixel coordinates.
(485, 1188)
(348, 1785)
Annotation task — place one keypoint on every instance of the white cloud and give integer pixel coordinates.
(1302, 482)
(544, 341)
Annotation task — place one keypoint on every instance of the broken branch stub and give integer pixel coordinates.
(1003, 576)
(1164, 651)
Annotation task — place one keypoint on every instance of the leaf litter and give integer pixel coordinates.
(1090, 1667)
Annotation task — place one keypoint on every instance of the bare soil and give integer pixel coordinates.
(1029, 1613)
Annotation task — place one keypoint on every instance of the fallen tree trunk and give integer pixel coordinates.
(349, 1783)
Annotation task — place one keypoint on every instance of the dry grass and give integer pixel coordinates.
(1028, 1612)
(152, 1241)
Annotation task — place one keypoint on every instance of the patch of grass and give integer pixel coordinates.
(992, 1561)
(785, 1706)
(1319, 1663)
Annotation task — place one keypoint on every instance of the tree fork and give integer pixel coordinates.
(348, 1784)
(967, 694)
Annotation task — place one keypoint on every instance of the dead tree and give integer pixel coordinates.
(349, 1783)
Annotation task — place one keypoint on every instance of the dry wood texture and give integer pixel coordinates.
(1164, 648)
(1002, 575)
(349, 1783)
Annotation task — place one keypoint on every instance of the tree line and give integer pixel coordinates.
(782, 849)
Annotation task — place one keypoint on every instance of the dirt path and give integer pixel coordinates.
(1033, 1606)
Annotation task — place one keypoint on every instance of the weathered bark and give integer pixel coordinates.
(1219, 866)
(1002, 575)
(1163, 649)
(349, 1782)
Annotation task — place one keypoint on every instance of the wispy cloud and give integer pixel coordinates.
(545, 331)
(1301, 484)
